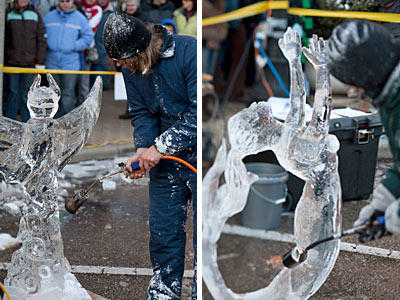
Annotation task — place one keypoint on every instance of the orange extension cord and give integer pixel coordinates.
(181, 161)
(5, 292)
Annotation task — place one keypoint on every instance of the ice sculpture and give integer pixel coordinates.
(32, 154)
(307, 151)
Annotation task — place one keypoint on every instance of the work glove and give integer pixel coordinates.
(382, 198)
(392, 218)
(373, 231)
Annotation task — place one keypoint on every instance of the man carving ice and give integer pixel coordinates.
(160, 77)
(364, 56)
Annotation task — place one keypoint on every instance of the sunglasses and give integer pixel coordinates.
(67, 1)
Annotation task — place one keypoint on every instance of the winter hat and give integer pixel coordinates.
(363, 54)
(125, 36)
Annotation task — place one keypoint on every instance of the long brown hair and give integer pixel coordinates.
(144, 61)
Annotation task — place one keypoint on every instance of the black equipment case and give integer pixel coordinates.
(359, 140)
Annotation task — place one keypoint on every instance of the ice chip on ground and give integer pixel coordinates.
(8, 242)
(32, 154)
(10, 193)
(123, 283)
(141, 181)
(12, 209)
(62, 192)
(65, 183)
(304, 150)
(124, 178)
(89, 168)
(109, 185)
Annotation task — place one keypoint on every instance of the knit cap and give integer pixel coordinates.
(125, 36)
(362, 54)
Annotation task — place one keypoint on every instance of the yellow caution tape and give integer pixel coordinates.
(109, 143)
(247, 11)
(44, 71)
(1, 66)
(374, 16)
(261, 7)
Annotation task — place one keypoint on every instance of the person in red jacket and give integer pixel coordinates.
(93, 12)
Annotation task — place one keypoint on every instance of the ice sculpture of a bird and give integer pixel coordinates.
(32, 154)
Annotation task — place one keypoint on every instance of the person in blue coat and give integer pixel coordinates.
(68, 34)
(160, 76)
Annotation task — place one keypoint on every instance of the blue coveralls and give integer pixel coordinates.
(164, 109)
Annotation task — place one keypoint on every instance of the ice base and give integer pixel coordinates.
(49, 291)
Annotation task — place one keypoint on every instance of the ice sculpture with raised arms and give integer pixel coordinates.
(307, 151)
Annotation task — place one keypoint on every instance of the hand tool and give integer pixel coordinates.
(297, 255)
(82, 195)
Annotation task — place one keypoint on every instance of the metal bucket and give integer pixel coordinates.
(266, 197)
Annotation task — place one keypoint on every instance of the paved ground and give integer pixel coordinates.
(111, 230)
(243, 263)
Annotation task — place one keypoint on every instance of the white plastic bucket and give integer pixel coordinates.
(266, 196)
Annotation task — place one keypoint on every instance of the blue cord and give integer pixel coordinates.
(272, 67)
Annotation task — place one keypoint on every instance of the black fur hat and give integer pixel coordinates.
(125, 36)
(363, 54)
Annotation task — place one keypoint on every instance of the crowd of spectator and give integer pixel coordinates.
(68, 35)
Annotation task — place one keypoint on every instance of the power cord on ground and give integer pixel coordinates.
(5, 292)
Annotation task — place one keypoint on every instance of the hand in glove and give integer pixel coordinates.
(374, 231)
(381, 200)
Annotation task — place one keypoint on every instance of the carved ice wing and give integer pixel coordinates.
(11, 142)
(77, 125)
